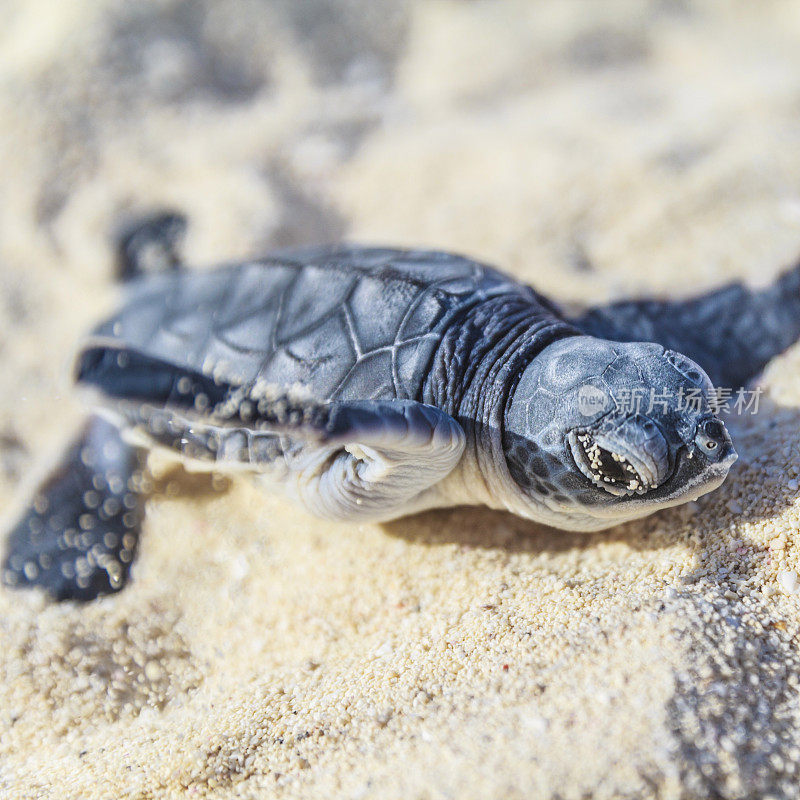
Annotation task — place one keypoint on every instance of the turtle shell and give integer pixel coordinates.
(346, 323)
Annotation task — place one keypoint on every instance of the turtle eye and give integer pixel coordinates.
(710, 436)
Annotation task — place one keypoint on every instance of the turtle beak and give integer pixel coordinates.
(630, 458)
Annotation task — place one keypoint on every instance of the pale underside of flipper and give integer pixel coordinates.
(375, 460)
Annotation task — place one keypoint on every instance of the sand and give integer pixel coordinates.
(597, 150)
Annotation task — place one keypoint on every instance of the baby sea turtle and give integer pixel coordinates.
(372, 383)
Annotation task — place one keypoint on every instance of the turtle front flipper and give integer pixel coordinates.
(79, 535)
(371, 460)
(731, 333)
(345, 460)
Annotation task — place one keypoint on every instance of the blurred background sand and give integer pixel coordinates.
(595, 149)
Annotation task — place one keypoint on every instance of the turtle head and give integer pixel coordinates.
(600, 432)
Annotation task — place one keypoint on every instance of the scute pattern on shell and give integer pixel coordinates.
(347, 323)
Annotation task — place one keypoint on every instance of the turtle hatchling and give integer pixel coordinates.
(370, 383)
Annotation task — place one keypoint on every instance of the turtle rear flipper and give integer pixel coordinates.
(731, 333)
(150, 244)
(79, 535)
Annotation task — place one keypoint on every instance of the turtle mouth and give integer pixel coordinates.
(612, 466)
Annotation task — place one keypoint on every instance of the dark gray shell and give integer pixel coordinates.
(345, 323)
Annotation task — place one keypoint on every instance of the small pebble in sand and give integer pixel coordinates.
(778, 543)
(153, 671)
(383, 717)
(787, 580)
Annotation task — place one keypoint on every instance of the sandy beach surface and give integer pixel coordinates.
(597, 150)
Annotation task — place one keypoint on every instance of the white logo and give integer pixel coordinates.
(591, 400)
